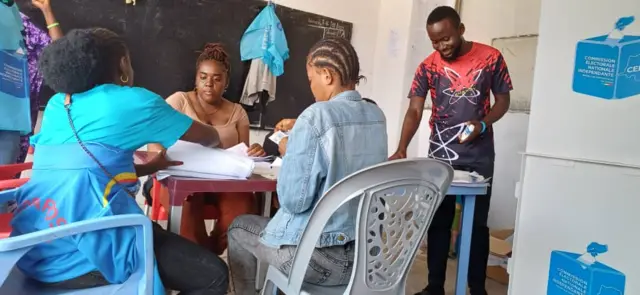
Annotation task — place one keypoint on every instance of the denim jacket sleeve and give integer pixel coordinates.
(303, 169)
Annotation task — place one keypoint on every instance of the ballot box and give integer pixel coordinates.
(608, 68)
(575, 273)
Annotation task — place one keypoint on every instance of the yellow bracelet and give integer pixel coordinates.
(53, 25)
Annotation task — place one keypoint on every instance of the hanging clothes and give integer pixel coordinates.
(258, 80)
(265, 39)
(35, 40)
(10, 26)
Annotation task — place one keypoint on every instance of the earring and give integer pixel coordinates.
(124, 78)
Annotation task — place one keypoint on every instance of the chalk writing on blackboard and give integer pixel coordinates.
(331, 28)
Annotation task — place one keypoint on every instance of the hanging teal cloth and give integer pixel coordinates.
(10, 26)
(15, 112)
(265, 39)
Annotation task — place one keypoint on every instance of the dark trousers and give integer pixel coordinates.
(183, 266)
(439, 239)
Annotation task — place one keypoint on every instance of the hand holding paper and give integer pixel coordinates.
(278, 136)
(242, 150)
(256, 150)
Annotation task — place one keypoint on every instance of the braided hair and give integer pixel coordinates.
(214, 52)
(339, 56)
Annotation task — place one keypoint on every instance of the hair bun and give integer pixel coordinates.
(211, 47)
(215, 51)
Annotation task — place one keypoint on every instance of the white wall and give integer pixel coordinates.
(580, 182)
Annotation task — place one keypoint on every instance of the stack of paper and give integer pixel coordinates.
(241, 150)
(204, 162)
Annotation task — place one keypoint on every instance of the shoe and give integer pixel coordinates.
(429, 291)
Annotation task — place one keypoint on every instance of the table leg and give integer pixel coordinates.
(261, 272)
(469, 204)
(175, 212)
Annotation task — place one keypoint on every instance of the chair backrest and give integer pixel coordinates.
(12, 170)
(141, 281)
(397, 202)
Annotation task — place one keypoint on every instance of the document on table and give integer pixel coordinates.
(277, 162)
(264, 169)
(460, 176)
(241, 150)
(204, 162)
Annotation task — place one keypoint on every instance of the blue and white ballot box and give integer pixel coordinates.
(574, 273)
(608, 66)
(15, 111)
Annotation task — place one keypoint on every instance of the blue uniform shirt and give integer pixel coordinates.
(68, 186)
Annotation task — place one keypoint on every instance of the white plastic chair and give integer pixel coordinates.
(398, 200)
(13, 281)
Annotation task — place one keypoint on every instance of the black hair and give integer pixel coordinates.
(444, 12)
(338, 55)
(215, 52)
(82, 60)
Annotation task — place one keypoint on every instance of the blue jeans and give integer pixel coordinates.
(9, 147)
(329, 266)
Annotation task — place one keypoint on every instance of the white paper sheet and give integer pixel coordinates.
(460, 176)
(189, 174)
(278, 136)
(277, 162)
(264, 169)
(203, 161)
(241, 150)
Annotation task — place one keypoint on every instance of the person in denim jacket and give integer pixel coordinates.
(336, 136)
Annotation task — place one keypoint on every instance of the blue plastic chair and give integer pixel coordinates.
(13, 281)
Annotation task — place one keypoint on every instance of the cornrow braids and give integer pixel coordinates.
(215, 52)
(338, 55)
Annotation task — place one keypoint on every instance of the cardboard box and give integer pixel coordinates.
(500, 247)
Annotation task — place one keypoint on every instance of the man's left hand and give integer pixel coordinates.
(477, 130)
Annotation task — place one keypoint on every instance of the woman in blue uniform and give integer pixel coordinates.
(83, 169)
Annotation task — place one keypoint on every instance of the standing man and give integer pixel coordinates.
(459, 75)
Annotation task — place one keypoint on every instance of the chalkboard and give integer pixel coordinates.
(164, 37)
